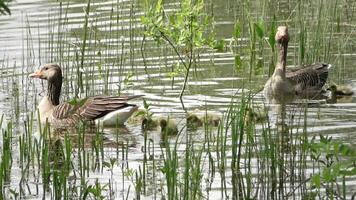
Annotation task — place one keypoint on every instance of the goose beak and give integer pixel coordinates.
(36, 74)
(282, 34)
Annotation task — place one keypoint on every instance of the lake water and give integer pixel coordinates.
(40, 32)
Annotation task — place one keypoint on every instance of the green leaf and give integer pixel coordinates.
(345, 150)
(113, 161)
(351, 172)
(145, 104)
(237, 30)
(219, 45)
(336, 170)
(4, 9)
(145, 20)
(271, 39)
(198, 38)
(172, 20)
(159, 6)
(316, 181)
(140, 113)
(238, 62)
(259, 30)
(106, 164)
(327, 175)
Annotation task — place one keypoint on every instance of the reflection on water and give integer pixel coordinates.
(46, 31)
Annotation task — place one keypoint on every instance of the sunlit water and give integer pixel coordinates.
(31, 37)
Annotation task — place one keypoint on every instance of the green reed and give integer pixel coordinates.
(6, 155)
(221, 150)
(145, 158)
(80, 68)
(45, 160)
(6, 160)
(26, 153)
(1, 166)
(170, 168)
(183, 172)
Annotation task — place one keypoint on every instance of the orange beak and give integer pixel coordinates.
(36, 74)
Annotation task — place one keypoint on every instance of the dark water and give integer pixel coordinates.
(41, 31)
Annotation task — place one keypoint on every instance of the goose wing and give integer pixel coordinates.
(98, 106)
(65, 115)
(64, 110)
(308, 78)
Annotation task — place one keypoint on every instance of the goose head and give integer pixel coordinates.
(168, 126)
(53, 74)
(340, 90)
(332, 88)
(48, 72)
(282, 35)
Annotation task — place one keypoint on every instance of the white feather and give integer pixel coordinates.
(116, 118)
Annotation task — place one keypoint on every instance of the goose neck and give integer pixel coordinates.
(54, 90)
(282, 59)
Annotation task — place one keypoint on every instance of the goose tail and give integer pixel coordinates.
(117, 117)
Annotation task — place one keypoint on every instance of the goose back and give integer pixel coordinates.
(95, 107)
(308, 81)
(98, 106)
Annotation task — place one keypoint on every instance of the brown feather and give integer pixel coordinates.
(98, 106)
(95, 107)
(308, 80)
(64, 110)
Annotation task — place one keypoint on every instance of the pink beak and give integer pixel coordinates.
(36, 74)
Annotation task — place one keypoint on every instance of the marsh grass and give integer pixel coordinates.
(234, 145)
(249, 160)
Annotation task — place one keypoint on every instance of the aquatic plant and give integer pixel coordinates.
(184, 30)
(4, 8)
(336, 161)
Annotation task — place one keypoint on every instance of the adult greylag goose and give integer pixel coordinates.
(286, 84)
(106, 110)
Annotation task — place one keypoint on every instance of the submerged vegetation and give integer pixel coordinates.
(209, 55)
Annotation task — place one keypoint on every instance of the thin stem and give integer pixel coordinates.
(174, 48)
(143, 54)
(189, 66)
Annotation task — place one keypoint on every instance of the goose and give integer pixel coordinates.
(256, 114)
(198, 118)
(149, 123)
(340, 94)
(340, 90)
(168, 126)
(193, 121)
(288, 83)
(99, 110)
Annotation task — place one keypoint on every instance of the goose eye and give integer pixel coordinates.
(45, 68)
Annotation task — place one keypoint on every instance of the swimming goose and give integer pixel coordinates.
(198, 118)
(341, 90)
(256, 114)
(168, 126)
(287, 83)
(340, 94)
(103, 110)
